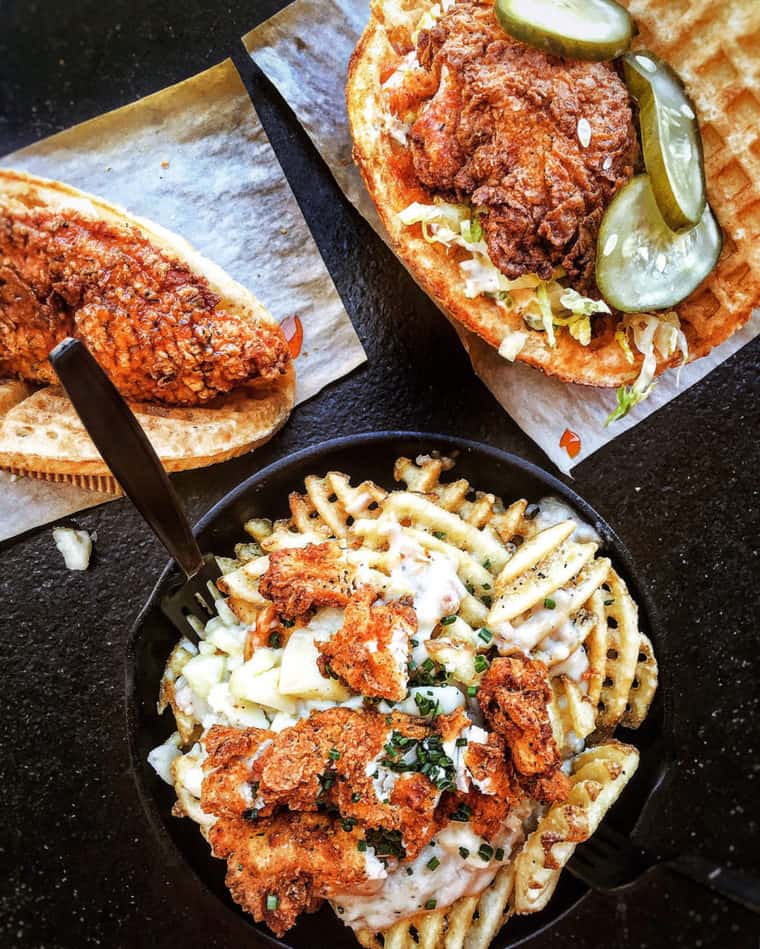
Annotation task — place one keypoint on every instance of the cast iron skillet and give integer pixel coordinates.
(265, 495)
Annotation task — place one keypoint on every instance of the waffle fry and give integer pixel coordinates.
(563, 604)
(599, 776)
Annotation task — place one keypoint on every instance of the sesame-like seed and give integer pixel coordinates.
(661, 262)
(610, 244)
(584, 132)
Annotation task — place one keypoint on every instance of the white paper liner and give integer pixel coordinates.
(195, 158)
(305, 50)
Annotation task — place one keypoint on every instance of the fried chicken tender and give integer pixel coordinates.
(300, 578)
(156, 328)
(514, 694)
(502, 131)
(296, 859)
(370, 651)
(226, 790)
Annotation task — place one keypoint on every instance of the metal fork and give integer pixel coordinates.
(134, 464)
(608, 861)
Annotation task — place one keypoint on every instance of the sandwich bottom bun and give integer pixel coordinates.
(729, 110)
(41, 435)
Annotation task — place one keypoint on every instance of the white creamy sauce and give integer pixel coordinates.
(574, 667)
(553, 511)
(540, 623)
(404, 894)
(447, 698)
(161, 758)
(429, 577)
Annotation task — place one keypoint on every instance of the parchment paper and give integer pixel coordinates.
(305, 50)
(195, 158)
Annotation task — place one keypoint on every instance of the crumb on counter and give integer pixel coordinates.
(76, 547)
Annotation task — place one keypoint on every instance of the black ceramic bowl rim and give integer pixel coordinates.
(432, 442)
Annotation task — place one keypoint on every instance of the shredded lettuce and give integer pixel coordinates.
(652, 334)
(543, 304)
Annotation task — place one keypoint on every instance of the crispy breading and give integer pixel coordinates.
(226, 789)
(502, 132)
(488, 765)
(157, 329)
(487, 812)
(514, 694)
(301, 578)
(370, 651)
(295, 859)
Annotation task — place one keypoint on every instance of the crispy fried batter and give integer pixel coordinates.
(371, 650)
(501, 131)
(490, 770)
(514, 694)
(300, 578)
(297, 858)
(155, 327)
(226, 789)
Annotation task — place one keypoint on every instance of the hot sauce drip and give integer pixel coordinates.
(571, 442)
(292, 328)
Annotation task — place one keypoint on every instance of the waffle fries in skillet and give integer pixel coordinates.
(531, 585)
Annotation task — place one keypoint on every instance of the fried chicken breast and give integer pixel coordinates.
(514, 697)
(538, 144)
(154, 324)
(301, 578)
(370, 651)
(285, 866)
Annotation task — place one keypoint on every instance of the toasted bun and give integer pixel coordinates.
(40, 433)
(701, 44)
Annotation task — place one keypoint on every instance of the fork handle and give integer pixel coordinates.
(126, 450)
(734, 885)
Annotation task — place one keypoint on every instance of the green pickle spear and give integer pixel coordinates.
(577, 29)
(670, 139)
(641, 264)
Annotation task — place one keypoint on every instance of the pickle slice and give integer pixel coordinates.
(641, 264)
(576, 29)
(670, 139)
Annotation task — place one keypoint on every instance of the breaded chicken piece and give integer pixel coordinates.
(514, 694)
(301, 578)
(370, 652)
(285, 865)
(226, 790)
(155, 327)
(489, 768)
(485, 812)
(501, 131)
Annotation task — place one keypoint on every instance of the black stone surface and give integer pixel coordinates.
(78, 864)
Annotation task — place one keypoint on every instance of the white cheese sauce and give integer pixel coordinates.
(553, 511)
(403, 894)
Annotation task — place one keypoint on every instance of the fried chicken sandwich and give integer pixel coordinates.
(547, 189)
(207, 368)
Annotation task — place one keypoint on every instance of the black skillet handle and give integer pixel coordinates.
(734, 885)
(126, 450)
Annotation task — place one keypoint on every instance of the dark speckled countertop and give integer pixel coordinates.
(78, 863)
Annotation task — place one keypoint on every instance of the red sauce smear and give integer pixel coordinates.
(571, 442)
(292, 328)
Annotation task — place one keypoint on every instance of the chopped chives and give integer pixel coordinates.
(464, 853)
(433, 863)
(275, 640)
(499, 853)
(272, 902)
(333, 754)
(472, 691)
(549, 603)
(431, 904)
(448, 620)
(409, 871)
(485, 852)
(486, 635)
(361, 846)
(481, 663)
(355, 797)
(461, 742)
(441, 535)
